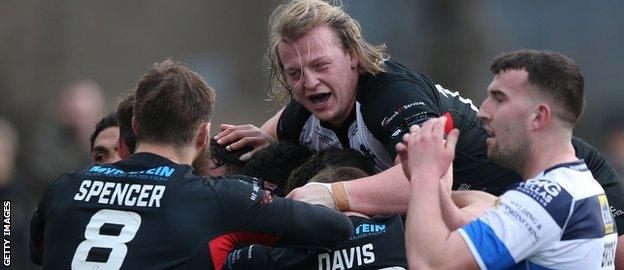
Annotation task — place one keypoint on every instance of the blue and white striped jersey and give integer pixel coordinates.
(558, 220)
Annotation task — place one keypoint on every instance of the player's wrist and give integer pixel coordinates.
(340, 196)
(424, 178)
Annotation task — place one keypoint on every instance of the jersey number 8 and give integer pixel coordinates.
(107, 233)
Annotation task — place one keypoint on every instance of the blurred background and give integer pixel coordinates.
(64, 65)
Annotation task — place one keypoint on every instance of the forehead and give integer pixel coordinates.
(107, 137)
(320, 41)
(510, 82)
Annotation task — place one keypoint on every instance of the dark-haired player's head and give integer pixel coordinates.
(552, 76)
(275, 162)
(221, 162)
(127, 139)
(535, 97)
(104, 141)
(328, 158)
(172, 109)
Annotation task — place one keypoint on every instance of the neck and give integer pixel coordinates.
(180, 155)
(336, 125)
(546, 152)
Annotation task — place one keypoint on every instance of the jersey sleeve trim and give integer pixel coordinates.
(488, 250)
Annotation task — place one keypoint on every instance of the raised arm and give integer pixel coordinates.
(430, 243)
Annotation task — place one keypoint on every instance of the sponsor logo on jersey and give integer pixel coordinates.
(608, 255)
(543, 191)
(255, 188)
(396, 133)
(325, 139)
(606, 214)
(416, 119)
(401, 109)
(158, 173)
(370, 228)
(367, 230)
(615, 212)
(347, 258)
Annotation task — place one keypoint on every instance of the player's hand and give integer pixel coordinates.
(425, 149)
(239, 136)
(446, 182)
(313, 194)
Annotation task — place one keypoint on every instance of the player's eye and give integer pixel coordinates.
(294, 74)
(321, 66)
(100, 157)
(498, 97)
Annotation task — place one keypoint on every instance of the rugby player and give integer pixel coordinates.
(104, 141)
(557, 218)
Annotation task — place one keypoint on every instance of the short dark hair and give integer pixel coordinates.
(124, 119)
(275, 162)
(330, 157)
(171, 102)
(336, 174)
(230, 159)
(555, 76)
(109, 120)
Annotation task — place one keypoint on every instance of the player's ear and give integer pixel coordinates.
(203, 134)
(540, 116)
(353, 60)
(134, 125)
(122, 149)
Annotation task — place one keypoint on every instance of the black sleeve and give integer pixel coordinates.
(249, 258)
(279, 221)
(607, 176)
(291, 122)
(264, 257)
(36, 235)
(391, 108)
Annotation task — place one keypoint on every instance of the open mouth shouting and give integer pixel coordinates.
(489, 134)
(319, 100)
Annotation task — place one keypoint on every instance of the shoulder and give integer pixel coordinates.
(602, 170)
(560, 190)
(395, 80)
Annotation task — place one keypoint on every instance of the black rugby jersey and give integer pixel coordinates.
(150, 213)
(390, 102)
(377, 243)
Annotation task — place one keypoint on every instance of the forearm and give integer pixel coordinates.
(325, 228)
(472, 202)
(426, 229)
(384, 193)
